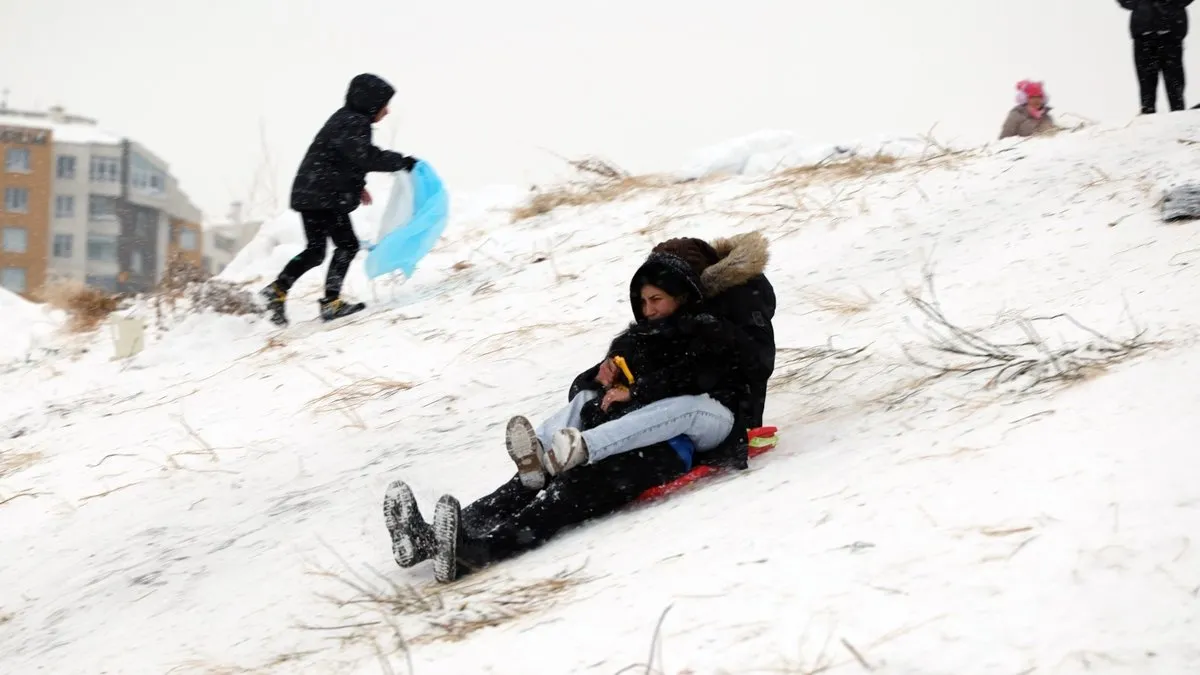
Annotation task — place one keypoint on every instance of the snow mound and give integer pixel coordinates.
(27, 325)
(1005, 491)
(764, 152)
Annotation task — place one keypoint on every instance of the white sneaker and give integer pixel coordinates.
(567, 451)
(526, 452)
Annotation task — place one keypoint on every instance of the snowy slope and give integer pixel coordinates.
(27, 326)
(180, 512)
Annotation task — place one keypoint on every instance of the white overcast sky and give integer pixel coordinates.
(485, 88)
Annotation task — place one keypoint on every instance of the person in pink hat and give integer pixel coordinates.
(1031, 115)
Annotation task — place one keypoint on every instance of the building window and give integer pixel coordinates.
(64, 206)
(64, 245)
(145, 177)
(105, 170)
(101, 208)
(16, 200)
(188, 239)
(13, 278)
(66, 167)
(17, 160)
(105, 282)
(101, 248)
(137, 263)
(226, 244)
(16, 240)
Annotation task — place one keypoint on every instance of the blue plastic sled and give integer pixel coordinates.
(415, 217)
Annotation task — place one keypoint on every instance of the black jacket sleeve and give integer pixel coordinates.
(1128, 4)
(357, 147)
(585, 381)
(710, 355)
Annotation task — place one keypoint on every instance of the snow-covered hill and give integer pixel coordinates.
(213, 505)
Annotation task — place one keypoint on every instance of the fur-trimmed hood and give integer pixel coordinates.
(742, 257)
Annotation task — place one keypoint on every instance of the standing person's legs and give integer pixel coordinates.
(341, 231)
(316, 230)
(1145, 61)
(1171, 61)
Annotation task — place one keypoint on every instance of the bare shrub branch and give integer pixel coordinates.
(805, 367)
(1029, 362)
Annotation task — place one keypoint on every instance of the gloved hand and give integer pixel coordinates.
(409, 163)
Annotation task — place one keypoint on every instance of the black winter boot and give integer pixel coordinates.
(412, 538)
(338, 308)
(275, 299)
(448, 536)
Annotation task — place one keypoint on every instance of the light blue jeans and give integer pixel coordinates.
(700, 418)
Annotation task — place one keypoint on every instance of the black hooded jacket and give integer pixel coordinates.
(737, 289)
(333, 173)
(689, 353)
(1157, 17)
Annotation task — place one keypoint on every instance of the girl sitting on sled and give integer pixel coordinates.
(677, 370)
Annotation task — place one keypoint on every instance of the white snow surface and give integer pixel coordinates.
(765, 152)
(27, 326)
(175, 512)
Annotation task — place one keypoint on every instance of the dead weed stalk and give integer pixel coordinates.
(1030, 362)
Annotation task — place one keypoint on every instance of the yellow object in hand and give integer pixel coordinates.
(620, 362)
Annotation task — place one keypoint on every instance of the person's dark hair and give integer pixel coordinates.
(673, 275)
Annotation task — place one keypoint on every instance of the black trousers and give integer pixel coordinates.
(319, 226)
(1154, 54)
(514, 518)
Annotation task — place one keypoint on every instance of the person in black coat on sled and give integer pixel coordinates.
(676, 370)
(329, 185)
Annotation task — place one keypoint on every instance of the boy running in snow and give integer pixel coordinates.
(329, 185)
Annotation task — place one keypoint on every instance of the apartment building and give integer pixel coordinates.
(26, 184)
(111, 211)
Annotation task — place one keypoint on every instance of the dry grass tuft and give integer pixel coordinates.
(601, 182)
(352, 396)
(86, 306)
(840, 168)
(839, 303)
(12, 462)
(585, 193)
(441, 612)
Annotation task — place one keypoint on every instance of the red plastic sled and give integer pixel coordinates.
(762, 440)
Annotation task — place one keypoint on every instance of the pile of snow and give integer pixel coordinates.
(27, 326)
(765, 152)
(213, 503)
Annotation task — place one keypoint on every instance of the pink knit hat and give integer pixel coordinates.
(1027, 89)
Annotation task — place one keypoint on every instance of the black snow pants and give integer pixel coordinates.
(319, 226)
(514, 518)
(1154, 54)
